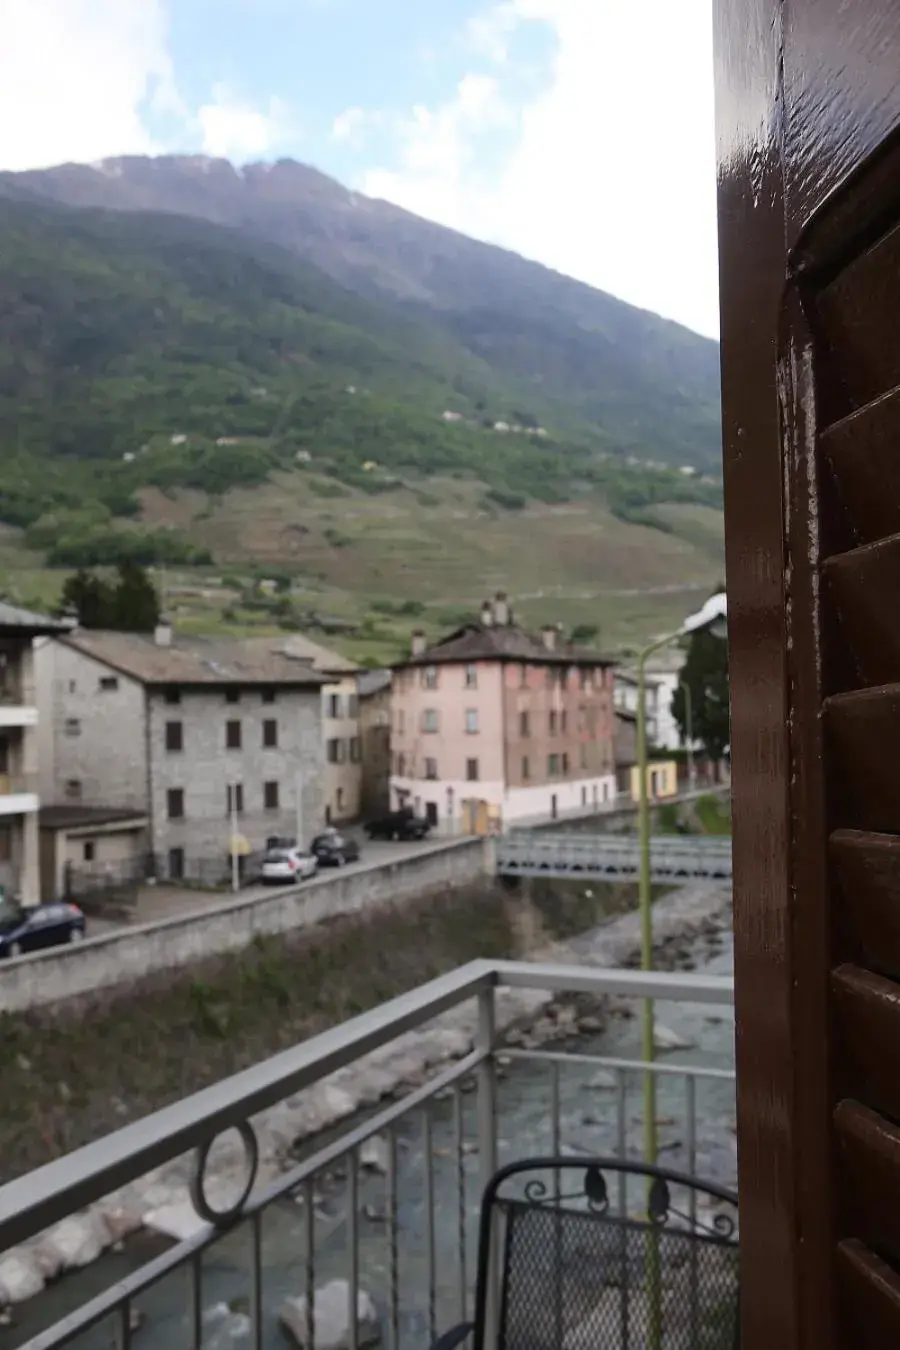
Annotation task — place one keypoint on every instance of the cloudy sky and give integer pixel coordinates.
(577, 132)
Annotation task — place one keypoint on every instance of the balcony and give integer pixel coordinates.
(381, 1203)
(18, 794)
(15, 709)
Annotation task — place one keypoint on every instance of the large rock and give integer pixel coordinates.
(667, 1039)
(20, 1278)
(224, 1329)
(78, 1240)
(331, 1318)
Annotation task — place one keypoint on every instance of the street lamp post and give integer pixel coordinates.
(712, 618)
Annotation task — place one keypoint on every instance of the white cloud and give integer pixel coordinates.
(354, 125)
(74, 75)
(612, 175)
(231, 129)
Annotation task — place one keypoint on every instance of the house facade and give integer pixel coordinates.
(218, 744)
(341, 742)
(19, 749)
(374, 687)
(493, 724)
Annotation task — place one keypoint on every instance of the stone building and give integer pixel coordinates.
(374, 687)
(19, 796)
(493, 724)
(208, 739)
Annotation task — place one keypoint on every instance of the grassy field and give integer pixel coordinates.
(357, 558)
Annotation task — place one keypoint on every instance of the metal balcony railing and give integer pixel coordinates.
(15, 784)
(386, 1203)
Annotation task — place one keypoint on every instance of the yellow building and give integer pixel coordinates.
(662, 780)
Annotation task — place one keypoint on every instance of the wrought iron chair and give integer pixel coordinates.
(603, 1254)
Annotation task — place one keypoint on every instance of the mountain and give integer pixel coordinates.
(259, 374)
(585, 360)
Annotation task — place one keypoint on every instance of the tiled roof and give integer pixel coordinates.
(37, 624)
(193, 661)
(66, 817)
(372, 682)
(477, 641)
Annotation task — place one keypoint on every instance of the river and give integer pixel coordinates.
(588, 1124)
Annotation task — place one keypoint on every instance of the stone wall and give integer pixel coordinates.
(72, 1072)
(131, 954)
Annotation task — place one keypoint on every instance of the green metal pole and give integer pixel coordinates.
(645, 903)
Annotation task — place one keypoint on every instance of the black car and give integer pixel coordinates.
(402, 824)
(30, 929)
(333, 849)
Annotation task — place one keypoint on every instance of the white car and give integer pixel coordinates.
(284, 865)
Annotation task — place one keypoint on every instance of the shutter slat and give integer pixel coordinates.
(870, 1149)
(864, 585)
(867, 1024)
(863, 735)
(852, 316)
(867, 867)
(871, 1294)
(862, 454)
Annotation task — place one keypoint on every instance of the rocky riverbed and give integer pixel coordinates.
(691, 929)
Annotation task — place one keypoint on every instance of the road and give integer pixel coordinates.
(164, 902)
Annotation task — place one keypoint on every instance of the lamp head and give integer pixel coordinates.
(711, 618)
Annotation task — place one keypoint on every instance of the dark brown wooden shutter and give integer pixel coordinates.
(846, 304)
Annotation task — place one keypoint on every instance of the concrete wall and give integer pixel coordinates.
(119, 958)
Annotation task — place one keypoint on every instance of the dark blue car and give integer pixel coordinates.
(29, 930)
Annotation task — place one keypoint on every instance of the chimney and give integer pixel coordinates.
(162, 635)
(548, 635)
(418, 642)
(487, 614)
(501, 609)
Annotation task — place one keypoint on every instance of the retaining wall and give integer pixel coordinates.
(122, 957)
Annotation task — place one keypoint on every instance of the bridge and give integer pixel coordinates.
(539, 853)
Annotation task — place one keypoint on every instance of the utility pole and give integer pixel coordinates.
(298, 789)
(235, 861)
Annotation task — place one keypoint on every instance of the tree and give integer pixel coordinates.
(89, 597)
(131, 605)
(705, 673)
(136, 605)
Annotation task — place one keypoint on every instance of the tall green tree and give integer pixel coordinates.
(129, 605)
(705, 674)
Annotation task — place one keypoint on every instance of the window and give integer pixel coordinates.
(523, 676)
(73, 726)
(108, 683)
(429, 677)
(72, 686)
(89, 850)
(552, 719)
(270, 796)
(526, 769)
(471, 770)
(336, 751)
(471, 676)
(586, 674)
(563, 679)
(583, 757)
(565, 763)
(232, 695)
(232, 735)
(176, 864)
(270, 733)
(175, 803)
(563, 721)
(355, 750)
(174, 736)
(172, 695)
(352, 705)
(401, 721)
(429, 719)
(524, 724)
(333, 706)
(234, 799)
(401, 766)
(471, 721)
(553, 766)
(73, 789)
(431, 769)
(268, 696)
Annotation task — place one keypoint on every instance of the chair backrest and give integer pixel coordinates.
(603, 1254)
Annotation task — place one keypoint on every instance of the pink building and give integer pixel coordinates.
(493, 725)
